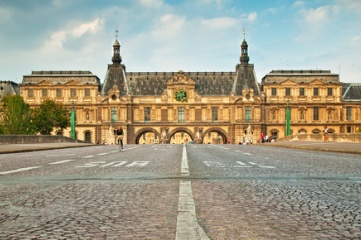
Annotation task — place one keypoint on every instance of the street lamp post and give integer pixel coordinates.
(288, 120)
(72, 122)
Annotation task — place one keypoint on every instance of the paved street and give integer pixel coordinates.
(180, 192)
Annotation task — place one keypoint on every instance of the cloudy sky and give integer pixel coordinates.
(172, 35)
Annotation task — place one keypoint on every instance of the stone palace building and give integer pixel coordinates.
(202, 107)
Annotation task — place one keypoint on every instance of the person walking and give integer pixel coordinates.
(119, 137)
(325, 134)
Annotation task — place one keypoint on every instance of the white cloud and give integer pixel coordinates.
(58, 38)
(316, 16)
(151, 3)
(167, 26)
(252, 17)
(91, 27)
(56, 41)
(356, 39)
(220, 23)
(5, 14)
(354, 5)
(298, 4)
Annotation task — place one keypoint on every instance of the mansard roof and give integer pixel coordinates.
(61, 77)
(351, 92)
(300, 76)
(8, 88)
(206, 83)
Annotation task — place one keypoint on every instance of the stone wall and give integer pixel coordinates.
(332, 137)
(25, 139)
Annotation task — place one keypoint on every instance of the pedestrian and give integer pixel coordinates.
(325, 134)
(262, 137)
(119, 136)
(266, 138)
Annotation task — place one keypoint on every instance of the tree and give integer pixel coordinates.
(15, 117)
(50, 115)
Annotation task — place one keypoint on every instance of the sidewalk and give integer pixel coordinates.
(14, 148)
(344, 147)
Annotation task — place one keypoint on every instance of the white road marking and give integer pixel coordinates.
(63, 155)
(19, 170)
(247, 154)
(187, 224)
(60, 162)
(120, 163)
(91, 164)
(90, 156)
(215, 164)
(242, 164)
(184, 164)
(138, 163)
(115, 164)
(101, 154)
(261, 166)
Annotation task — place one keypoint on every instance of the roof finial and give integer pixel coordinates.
(116, 33)
(244, 33)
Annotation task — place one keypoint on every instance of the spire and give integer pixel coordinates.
(116, 59)
(244, 50)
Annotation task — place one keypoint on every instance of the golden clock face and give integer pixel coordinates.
(181, 96)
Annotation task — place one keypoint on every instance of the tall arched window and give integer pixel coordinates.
(87, 136)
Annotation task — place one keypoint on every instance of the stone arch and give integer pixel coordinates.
(302, 131)
(220, 131)
(316, 131)
(140, 132)
(182, 129)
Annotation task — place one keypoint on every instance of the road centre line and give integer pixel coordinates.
(19, 170)
(187, 224)
(60, 162)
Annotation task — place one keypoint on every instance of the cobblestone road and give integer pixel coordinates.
(239, 192)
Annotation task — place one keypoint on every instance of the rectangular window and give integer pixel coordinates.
(164, 115)
(30, 93)
(315, 113)
(146, 114)
(288, 91)
(247, 112)
(198, 115)
(274, 91)
(44, 92)
(87, 92)
(348, 113)
(329, 92)
(315, 91)
(72, 92)
(349, 129)
(114, 114)
(180, 114)
(214, 114)
(302, 91)
(59, 93)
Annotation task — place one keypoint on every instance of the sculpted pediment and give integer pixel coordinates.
(288, 82)
(180, 79)
(316, 82)
(73, 82)
(44, 83)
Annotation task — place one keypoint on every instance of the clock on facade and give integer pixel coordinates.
(181, 96)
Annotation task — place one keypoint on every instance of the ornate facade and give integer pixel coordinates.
(204, 107)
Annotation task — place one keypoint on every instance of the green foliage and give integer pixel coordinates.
(50, 115)
(15, 117)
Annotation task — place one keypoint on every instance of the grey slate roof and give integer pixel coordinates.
(206, 83)
(352, 92)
